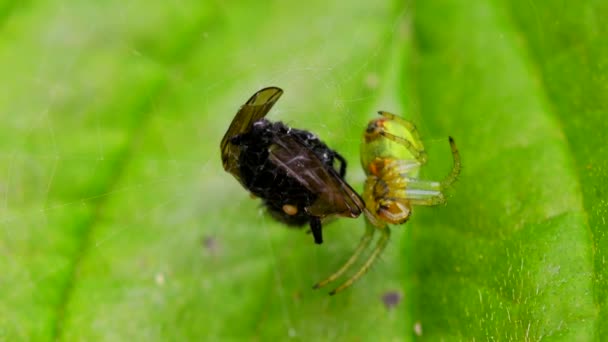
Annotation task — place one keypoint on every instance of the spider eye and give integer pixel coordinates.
(374, 130)
(372, 127)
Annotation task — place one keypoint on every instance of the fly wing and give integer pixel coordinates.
(335, 196)
(253, 110)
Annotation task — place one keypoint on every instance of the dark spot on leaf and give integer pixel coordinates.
(209, 243)
(391, 299)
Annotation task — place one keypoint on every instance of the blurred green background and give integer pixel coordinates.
(117, 221)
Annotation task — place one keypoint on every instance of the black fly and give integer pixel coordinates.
(291, 170)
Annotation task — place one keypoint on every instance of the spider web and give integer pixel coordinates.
(115, 214)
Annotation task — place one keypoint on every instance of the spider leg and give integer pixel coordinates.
(418, 153)
(365, 240)
(402, 186)
(401, 168)
(386, 234)
(428, 201)
(455, 168)
(423, 192)
(403, 122)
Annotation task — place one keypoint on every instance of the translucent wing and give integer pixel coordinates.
(335, 196)
(253, 110)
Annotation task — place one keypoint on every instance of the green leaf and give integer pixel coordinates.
(118, 222)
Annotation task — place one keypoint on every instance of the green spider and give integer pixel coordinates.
(391, 155)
